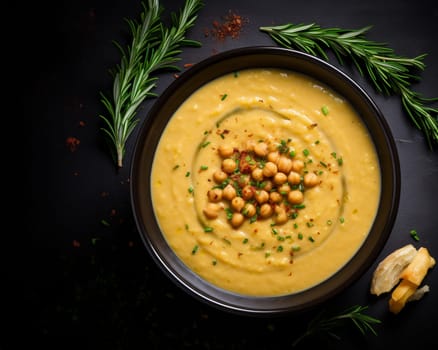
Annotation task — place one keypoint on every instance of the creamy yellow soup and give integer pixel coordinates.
(303, 242)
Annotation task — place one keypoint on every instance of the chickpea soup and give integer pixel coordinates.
(265, 182)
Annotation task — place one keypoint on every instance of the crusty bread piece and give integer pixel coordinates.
(387, 273)
(417, 269)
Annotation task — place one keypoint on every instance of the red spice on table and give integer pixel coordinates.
(72, 143)
(231, 26)
(76, 243)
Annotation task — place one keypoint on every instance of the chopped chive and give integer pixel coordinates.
(224, 96)
(188, 174)
(195, 249)
(414, 235)
(176, 167)
(204, 167)
(205, 144)
(311, 239)
(208, 229)
(306, 152)
(105, 223)
(280, 248)
(323, 164)
(325, 110)
(245, 240)
(341, 219)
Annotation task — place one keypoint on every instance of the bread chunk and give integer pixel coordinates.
(387, 274)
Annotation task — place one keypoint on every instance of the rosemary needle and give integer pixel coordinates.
(327, 325)
(154, 47)
(389, 72)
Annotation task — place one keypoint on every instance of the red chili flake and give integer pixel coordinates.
(188, 65)
(113, 212)
(231, 26)
(72, 143)
(104, 194)
(176, 76)
(81, 123)
(76, 243)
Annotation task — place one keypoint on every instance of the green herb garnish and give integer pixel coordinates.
(414, 235)
(326, 325)
(153, 48)
(388, 72)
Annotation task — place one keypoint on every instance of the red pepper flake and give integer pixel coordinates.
(72, 143)
(81, 123)
(231, 26)
(176, 76)
(188, 65)
(76, 244)
(104, 194)
(113, 212)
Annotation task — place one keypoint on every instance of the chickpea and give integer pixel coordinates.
(247, 192)
(261, 196)
(237, 203)
(237, 220)
(250, 145)
(265, 210)
(295, 197)
(257, 174)
(214, 195)
(261, 149)
(229, 165)
(225, 151)
(281, 216)
(275, 197)
(284, 164)
(279, 178)
(268, 185)
(249, 210)
(219, 176)
(211, 210)
(294, 178)
(229, 192)
(284, 189)
(273, 157)
(310, 180)
(297, 165)
(270, 169)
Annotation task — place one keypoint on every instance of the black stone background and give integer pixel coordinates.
(86, 285)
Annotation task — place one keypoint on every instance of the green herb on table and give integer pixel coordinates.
(389, 72)
(414, 235)
(154, 47)
(323, 325)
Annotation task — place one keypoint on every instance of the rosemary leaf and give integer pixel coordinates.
(326, 325)
(390, 73)
(153, 47)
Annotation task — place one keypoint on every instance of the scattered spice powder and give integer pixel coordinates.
(231, 26)
(72, 143)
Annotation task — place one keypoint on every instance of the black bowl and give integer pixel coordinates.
(149, 136)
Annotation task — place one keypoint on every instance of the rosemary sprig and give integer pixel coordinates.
(389, 72)
(326, 325)
(154, 47)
